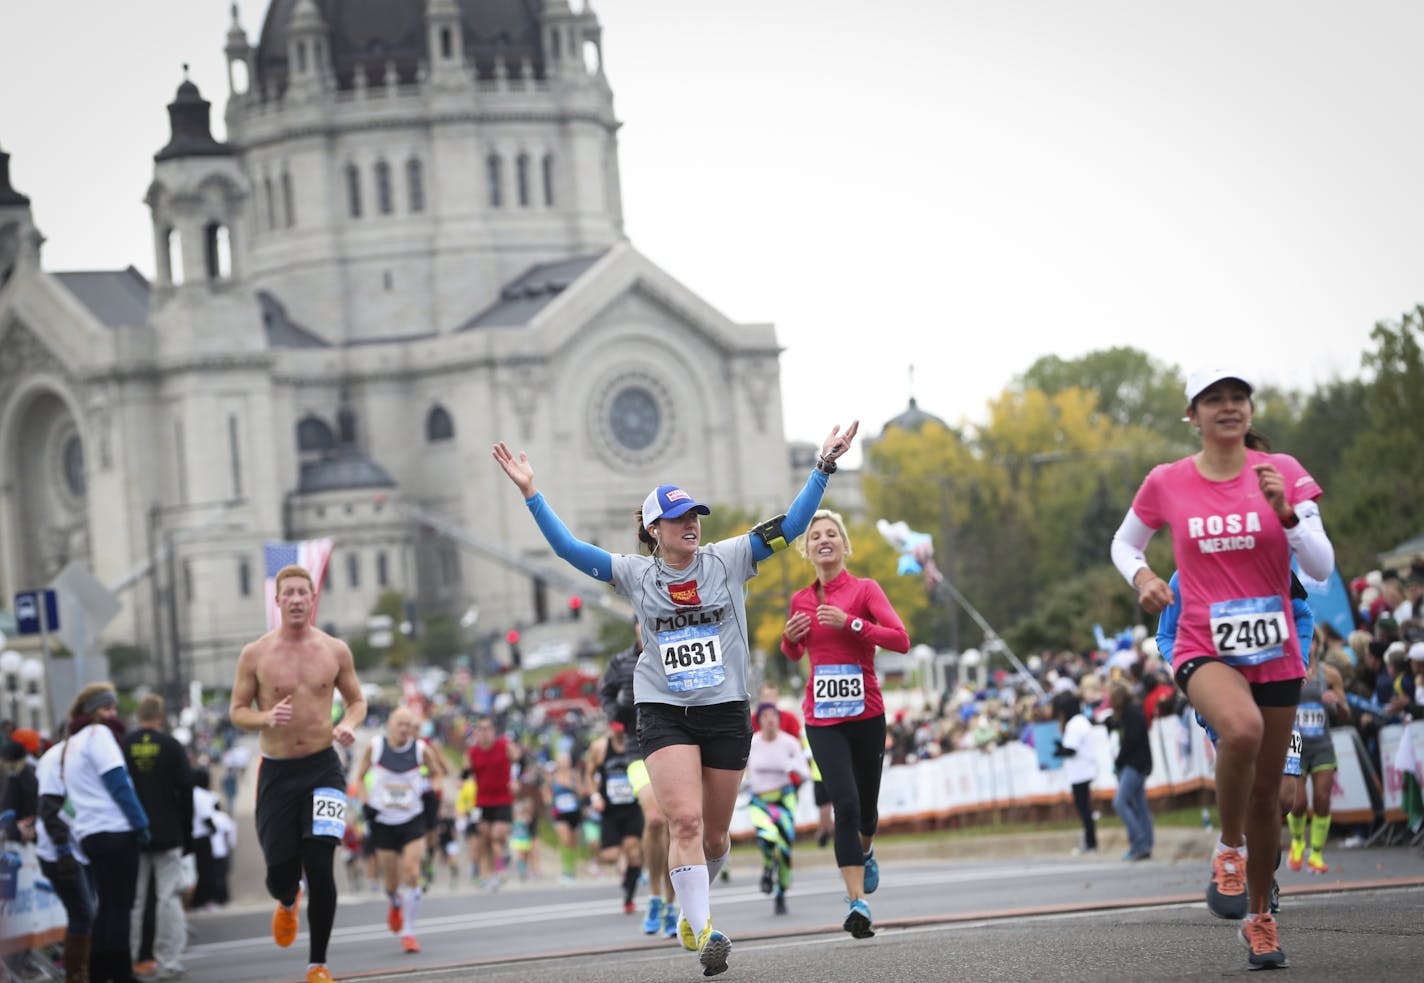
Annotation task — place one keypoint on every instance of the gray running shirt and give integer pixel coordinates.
(694, 624)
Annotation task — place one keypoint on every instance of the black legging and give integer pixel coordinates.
(851, 756)
(285, 879)
(1082, 798)
(113, 862)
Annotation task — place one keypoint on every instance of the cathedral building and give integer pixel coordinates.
(409, 246)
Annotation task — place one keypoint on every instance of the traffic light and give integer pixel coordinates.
(575, 606)
(512, 637)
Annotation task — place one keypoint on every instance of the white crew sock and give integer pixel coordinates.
(1222, 846)
(715, 865)
(693, 888)
(409, 909)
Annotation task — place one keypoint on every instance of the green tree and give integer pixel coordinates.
(440, 640)
(1380, 492)
(1133, 389)
(391, 603)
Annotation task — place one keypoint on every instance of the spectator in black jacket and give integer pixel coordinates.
(21, 795)
(164, 782)
(1133, 764)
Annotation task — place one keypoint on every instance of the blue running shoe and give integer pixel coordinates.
(858, 922)
(872, 872)
(654, 922)
(669, 920)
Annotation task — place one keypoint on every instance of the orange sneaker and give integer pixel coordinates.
(1260, 933)
(1226, 894)
(408, 944)
(146, 967)
(1316, 864)
(394, 919)
(284, 923)
(1297, 855)
(320, 974)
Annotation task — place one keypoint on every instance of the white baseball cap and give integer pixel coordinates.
(1416, 652)
(1203, 379)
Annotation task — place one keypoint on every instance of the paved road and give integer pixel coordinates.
(1047, 917)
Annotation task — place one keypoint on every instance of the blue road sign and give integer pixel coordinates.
(27, 611)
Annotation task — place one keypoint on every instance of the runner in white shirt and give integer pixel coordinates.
(776, 766)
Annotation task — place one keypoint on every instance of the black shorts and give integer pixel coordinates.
(287, 803)
(1278, 693)
(620, 823)
(430, 808)
(496, 814)
(396, 837)
(723, 731)
(573, 820)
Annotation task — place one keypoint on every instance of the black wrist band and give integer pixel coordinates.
(824, 466)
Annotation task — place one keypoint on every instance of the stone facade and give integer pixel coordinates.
(391, 264)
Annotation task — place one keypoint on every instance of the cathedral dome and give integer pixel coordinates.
(367, 34)
(912, 419)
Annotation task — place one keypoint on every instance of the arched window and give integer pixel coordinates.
(438, 425)
(217, 251)
(314, 434)
(353, 569)
(383, 187)
(271, 203)
(173, 241)
(521, 168)
(415, 184)
(383, 578)
(447, 45)
(494, 173)
(289, 208)
(548, 180)
(353, 190)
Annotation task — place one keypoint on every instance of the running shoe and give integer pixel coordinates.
(768, 879)
(1226, 894)
(713, 948)
(320, 974)
(395, 921)
(669, 920)
(1315, 863)
(780, 908)
(1260, 934)
(629, 907)
(408, 944)
(1297, 855)
(872, 873)
(858, 923)
(654, 921)
(146, 967)
(1275, 903)
(685, 935)
(284, 923)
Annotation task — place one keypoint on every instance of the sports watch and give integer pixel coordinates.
(856, 625)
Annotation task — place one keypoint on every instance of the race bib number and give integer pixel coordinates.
(1292, 767)
(399, 795)
(1250, 630)
(1310, 719)
(565, 802)
(837, 691)
(328, 812)
(620, 789)
(692, 657)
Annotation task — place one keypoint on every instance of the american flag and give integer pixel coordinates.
(312, 554)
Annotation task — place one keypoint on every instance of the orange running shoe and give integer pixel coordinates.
(1226, 894)
(408, 944)
(1316, 864)
(394, 919)
(146, 967)
(1260, 934)
(320, 974)
(284, 923)
(1297, 855)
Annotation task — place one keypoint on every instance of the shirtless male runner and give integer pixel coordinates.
(292, 673)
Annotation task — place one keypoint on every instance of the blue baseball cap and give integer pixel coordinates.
(669, 502)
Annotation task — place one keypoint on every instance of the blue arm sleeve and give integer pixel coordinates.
(798, 516)
(117, 781)
(1304, 628)
(597, 563)
(1167, 623)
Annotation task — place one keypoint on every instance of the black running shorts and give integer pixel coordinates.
(723, 731)
(1279, 693)
(620, 823)
(396, 837)
(299, 799)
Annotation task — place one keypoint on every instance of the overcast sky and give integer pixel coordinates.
(959, 186)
